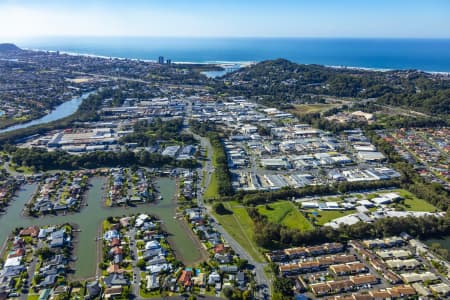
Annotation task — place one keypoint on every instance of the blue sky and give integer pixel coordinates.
(229, 18)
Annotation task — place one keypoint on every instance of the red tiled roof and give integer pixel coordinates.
(185, 278)
(32, 231)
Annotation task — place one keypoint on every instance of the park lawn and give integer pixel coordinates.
(203, 177)
(240, 226)
(418, 205)
(412, 203)
(212, 191)
(21, 169)
(285, 213)
(325, 216)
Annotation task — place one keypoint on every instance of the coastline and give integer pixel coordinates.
(237, 62)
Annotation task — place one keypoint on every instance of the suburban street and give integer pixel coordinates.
(136, 280)
(262, 281)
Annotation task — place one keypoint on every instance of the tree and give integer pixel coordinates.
(228, 292)
(283, 286)
(44, 252)
(241, 263)
(201, 235)
(220, 209)
(246, 295)
(141, 264)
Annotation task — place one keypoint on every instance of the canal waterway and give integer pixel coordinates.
(89, 220)
(61, 111)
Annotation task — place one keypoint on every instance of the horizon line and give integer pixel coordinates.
(226, 37)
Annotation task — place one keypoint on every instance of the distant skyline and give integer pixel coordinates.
(22, 19)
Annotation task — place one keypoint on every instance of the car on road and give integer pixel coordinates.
(14, 294)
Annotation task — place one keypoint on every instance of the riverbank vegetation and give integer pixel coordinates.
(87, 111)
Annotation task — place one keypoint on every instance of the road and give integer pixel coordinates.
(262, 281)
(260, 275)
(31, 270)
(136, 280)
(7, 167)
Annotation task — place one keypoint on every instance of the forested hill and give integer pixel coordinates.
(7, 47)
(279, 82)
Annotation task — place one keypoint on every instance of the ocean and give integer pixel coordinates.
(431, 55)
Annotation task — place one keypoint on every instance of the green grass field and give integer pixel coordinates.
(212, 190)
(304, 109)
(418, 205)
(241, 228)
(21, 169)
(285, 213)
(326, 216)
(412, 203)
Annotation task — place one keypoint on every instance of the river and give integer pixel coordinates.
(61, 111)
(90, 218)
(227, 68)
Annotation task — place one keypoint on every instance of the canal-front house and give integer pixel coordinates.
(115, 279)
(93, 290)
(59, 239)
(32, 231)
(111, 234)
